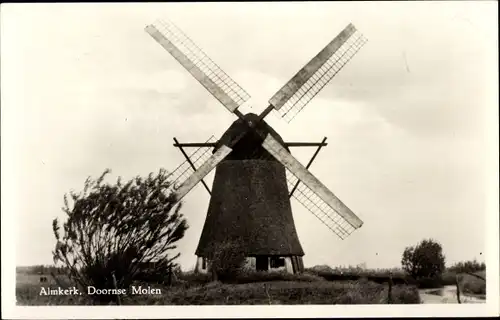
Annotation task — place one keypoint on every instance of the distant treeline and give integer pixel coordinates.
(467, 266)
(396, 279)
(338, 273)
(42, 269)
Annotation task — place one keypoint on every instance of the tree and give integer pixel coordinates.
(118, 230)
(425, 260)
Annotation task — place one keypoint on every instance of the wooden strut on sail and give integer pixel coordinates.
(190, 163)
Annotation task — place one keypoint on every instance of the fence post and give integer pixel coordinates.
(458, 288)
(389, 293)
(118, 300)
(267, 293)
(170, 275)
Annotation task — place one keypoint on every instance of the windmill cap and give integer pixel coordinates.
(250, 145)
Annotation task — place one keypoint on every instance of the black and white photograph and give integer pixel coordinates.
(261, 155)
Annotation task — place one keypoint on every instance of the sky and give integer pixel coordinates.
(408, 120)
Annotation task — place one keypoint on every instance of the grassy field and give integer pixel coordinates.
(249, 289)
(318, 285)
(283, 292)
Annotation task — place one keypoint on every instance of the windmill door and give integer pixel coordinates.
(261, 263)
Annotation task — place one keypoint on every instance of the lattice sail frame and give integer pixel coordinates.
(328, 216)
(315, 196)
(201, 67)
(316, 74)
(180, 174)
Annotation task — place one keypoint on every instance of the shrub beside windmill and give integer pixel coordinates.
(255, 173)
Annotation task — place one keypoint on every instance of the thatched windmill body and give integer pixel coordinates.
(255, 173)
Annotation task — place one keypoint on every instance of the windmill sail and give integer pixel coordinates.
(201, 67)
(316, 197)
(309, 81)
(184, 170)
(305, 196)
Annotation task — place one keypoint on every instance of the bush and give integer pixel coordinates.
(118, 230)
(424, 261)
(226, 262)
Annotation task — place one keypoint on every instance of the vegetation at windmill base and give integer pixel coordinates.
(227, 258)
(115, 232)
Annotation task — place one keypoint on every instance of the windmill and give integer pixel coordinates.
(255, 173)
